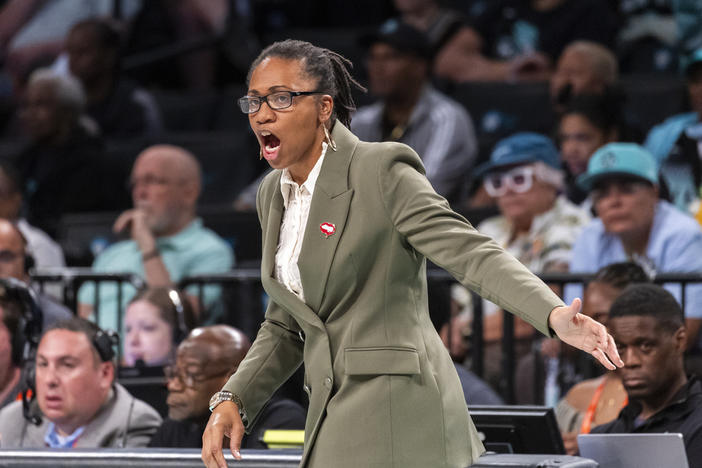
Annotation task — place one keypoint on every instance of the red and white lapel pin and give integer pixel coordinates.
(327, 229)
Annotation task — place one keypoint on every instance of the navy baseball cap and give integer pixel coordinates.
(400, 36)
(619, 160)
(520, 148)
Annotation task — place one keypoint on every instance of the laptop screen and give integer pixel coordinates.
(634, 450)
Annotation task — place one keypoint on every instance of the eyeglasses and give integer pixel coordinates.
(188, 378)
(8, 256)
(519, 180)
(148, 181)
(276, 101)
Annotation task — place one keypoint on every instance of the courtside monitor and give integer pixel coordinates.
(518, 429)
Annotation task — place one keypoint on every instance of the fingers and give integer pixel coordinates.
(211, 453)
(235, 445)
(613, 353)
(123, 221)
(600, 356)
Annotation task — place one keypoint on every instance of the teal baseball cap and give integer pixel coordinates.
(622, 160)
(520, 148)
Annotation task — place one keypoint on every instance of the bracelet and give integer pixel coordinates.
(150, 254)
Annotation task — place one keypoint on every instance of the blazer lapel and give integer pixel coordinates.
(275, 289)
(330, 207)
(272, 231)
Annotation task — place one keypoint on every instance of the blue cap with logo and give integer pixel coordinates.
(520, 148)
(619, 160)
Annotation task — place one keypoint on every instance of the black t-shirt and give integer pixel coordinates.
(683, 415)
(278, 414)
(512, 27)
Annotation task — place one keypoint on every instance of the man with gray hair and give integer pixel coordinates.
(584, 67)
(60, 162)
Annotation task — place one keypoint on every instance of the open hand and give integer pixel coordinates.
(224, 421)
(584, 333)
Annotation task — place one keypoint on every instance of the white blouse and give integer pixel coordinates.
(296, 201)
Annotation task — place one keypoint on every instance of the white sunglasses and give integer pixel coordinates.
(519, 180)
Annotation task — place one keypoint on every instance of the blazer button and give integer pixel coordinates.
(307, 389)
(328, 382)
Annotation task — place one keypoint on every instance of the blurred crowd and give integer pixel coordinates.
(569, 131)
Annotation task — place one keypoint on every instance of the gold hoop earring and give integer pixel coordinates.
(327, 137)
(260, 154)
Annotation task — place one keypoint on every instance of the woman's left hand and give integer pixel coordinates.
(584, 333)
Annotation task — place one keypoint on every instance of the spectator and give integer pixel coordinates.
(646, 324)
(79, 403)
(596, 401)
(168, 242)
(205, 361)
(32, 31)
(654, 33)
(44, 251)
(674, 143)
(584, 67)
(15, 262)
(588, 122)
(411, 111)
(536, 223)
(20, 323)
(635, 225)
(120, 108)
(156, 320)
(517, 39)
(60, 165)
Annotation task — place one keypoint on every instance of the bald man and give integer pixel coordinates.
(13, 264)
(204, 362)
(167, 240)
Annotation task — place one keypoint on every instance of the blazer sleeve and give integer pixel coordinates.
(275, 355)
(429, 226)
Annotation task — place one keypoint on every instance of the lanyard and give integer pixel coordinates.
(590, 413)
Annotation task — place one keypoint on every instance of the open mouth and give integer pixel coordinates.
(271, 145)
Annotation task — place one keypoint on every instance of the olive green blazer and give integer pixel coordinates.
(383, 390)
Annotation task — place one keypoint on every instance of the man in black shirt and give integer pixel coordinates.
(647, 325)
(204, 362)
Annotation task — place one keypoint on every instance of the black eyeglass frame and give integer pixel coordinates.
(244, 101)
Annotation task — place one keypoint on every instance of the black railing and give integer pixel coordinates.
(251, 298)
(68, 281)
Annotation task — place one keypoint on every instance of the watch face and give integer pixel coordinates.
(214, 399)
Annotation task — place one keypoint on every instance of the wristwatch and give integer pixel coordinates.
(219, 397)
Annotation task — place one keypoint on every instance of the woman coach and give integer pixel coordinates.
(347, 226)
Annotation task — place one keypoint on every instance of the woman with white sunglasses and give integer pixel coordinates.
(537, 224)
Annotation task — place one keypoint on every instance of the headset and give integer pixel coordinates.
(25, 336)
(181, 330)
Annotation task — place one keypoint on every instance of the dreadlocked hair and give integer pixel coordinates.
(330, 69)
